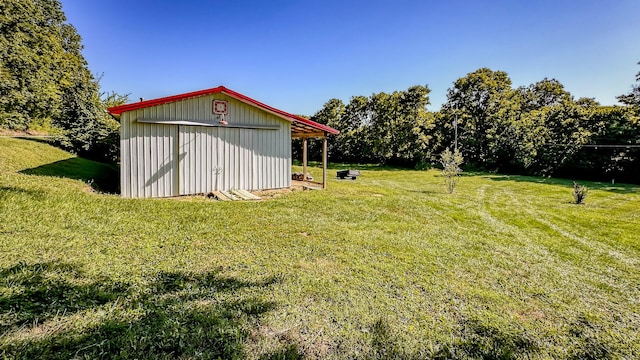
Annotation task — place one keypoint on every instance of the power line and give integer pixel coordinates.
(614, 146)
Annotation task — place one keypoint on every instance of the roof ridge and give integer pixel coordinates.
(117, 110)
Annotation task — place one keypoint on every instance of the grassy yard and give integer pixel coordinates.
(387, 266)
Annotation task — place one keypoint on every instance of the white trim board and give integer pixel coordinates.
(198, 123)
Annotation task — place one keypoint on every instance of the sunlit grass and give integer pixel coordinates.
(388, 265)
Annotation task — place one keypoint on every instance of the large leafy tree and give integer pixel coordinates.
(45, 81)
(535, 129)
(474, 101)
(354, 124)
(520, 121)
(395, 124)
(561, 132)
(382, 128)
(607, 156)
(331, 115)
(633, 97)
(547, 92)
(32, 62)
(512, 137)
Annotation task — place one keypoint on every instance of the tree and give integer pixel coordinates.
(113, 99)
(633, 97)
(331, 115)
(428, 138)
(475, 100)
(547, 92)
(537, 129)
(451, 161)
(45, 81)
(383, 128)
(350, 144)
(356, 144)
(562, 130)
(611, 127)
(587, 102)
(579, 193)
(516, 137)
(32, 62)
(395, 124)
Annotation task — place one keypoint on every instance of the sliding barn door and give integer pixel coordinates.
(199, 160)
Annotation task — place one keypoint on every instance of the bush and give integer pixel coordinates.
(579, 193)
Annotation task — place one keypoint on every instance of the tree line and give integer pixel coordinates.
(540, 129)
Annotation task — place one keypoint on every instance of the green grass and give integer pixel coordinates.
(387, 266)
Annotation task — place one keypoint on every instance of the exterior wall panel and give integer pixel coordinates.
(147, 157)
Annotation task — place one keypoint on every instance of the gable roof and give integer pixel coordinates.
(299, 124)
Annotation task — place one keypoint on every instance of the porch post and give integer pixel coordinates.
(304, 159)
(324, 161)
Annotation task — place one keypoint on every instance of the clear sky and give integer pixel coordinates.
(296, 55)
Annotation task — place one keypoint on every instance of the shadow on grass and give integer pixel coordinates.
(173, 315)
(102, 177)
(486, 341)
(429, 192)
(478, 342)
(616, 188)
(481, 340)
(6, 191)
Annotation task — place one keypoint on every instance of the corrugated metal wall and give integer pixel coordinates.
(159, 160)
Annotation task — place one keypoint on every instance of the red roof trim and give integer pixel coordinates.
(117, 110)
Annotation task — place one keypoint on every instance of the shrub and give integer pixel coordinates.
(579, 193)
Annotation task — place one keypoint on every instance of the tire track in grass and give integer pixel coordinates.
(540, 217)
(563, 281)
(541, 279)
(612, 286)
(526, 246)
(593, 246)
(515, 251)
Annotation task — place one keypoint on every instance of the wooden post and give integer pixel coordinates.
(324, 161)
(304, 159)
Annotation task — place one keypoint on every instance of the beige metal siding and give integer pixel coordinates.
(159, 160)
(147, 151)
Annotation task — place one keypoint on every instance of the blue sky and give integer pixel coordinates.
(296, 55)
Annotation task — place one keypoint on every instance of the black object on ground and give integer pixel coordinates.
(344, 174)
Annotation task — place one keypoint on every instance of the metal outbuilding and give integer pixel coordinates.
(208, 140)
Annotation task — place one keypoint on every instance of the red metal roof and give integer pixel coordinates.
(117, 110)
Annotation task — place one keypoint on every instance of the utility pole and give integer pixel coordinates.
(455, 129)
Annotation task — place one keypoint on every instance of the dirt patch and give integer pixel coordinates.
(274, 193)
(264, 194)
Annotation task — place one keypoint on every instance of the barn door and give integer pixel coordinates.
(235, 159)
(148, 166)
(199, 160)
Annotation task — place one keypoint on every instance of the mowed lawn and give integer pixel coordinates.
(387, 266)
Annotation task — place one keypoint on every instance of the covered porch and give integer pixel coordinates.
(305, 132)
